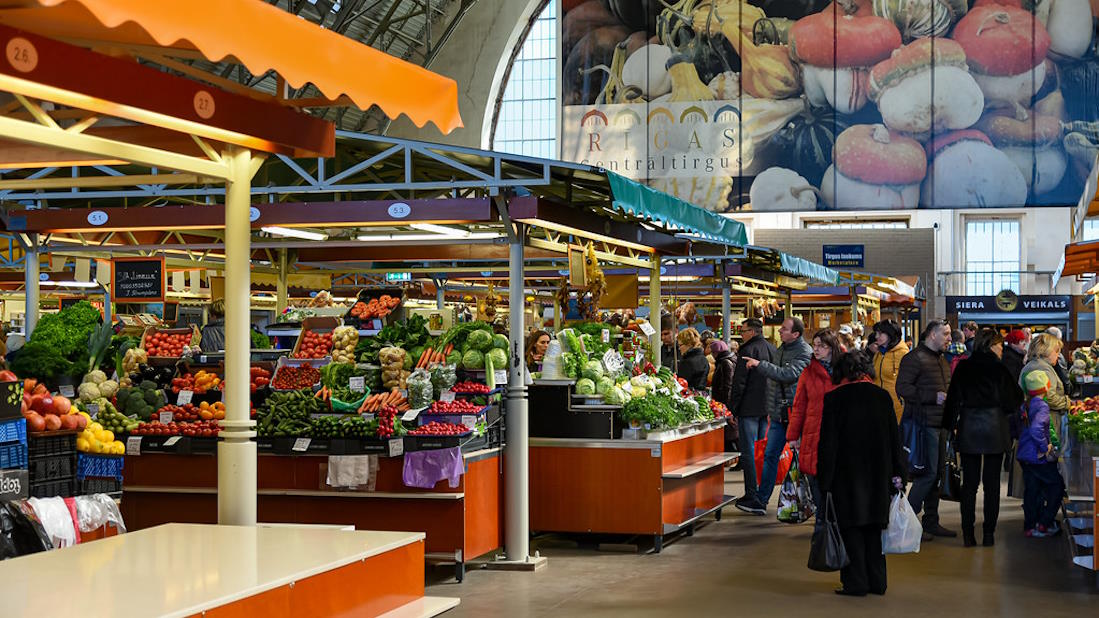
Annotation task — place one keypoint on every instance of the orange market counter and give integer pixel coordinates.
(185, 570)
(460, 523)
(656, 486)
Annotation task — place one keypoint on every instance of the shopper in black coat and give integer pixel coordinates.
(979, 404)
(1014, 357)
(860, 463)
(693, 366)
(722, 387)
(749, 404)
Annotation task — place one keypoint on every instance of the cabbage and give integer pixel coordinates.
(499, 358)
(454, 358)
(480, 340)
(501, 342)
(604, 385)
(584, 386)
(593, 370)
(473, 359)
(614, 397)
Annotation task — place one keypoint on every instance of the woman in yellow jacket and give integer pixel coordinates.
(890, 349)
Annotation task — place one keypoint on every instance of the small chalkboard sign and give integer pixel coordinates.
(138, 279)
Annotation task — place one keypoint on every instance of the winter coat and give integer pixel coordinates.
(668, 355)
(1014, 362)
(749, 392)
(1056, 398)
(1034, 441)
(813, 385)
(694, 368)
(1062, 372)
(886, 367)
(922, 374)
(213, 336)
(859, 453)
(722, 385)
(979, 405)
(782, 375)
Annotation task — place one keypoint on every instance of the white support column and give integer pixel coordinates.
(654, 308)
(30, 282)
(516, 464)
(281, 286)
(726, 309)
(440, 294)
(236, 451)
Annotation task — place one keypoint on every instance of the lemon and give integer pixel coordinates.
(118, 448)
(108, 436)
(82, 445)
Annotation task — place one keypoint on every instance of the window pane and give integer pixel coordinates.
(992, 256)
(1091, 229)
(525, 124)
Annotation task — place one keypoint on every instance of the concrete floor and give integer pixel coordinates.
(755, 567)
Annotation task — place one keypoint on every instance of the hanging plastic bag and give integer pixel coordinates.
(55, 517)
(795, 504)
(97, 510)
(783, 461)
(904, 532)
(420, 390)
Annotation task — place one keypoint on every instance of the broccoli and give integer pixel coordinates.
(151, 397)
(147, 385)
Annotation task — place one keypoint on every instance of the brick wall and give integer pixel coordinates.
(893, 253)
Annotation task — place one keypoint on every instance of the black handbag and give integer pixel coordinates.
(950, 479)
(827, 552)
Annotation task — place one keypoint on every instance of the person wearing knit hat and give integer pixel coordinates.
(1042, 482)
(1015, 352)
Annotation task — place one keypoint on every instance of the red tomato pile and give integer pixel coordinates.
(199, 429)
(435, 428)
(386, 418)
(258, 378)
(180, 414)
(315, 345)
(471, 388)
(166, 344)
(294, 378)
(458, 406)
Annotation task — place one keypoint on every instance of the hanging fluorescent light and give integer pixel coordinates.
(71, 284)
(415, 237)
(438, 229)
(667, 278)
(293, 233)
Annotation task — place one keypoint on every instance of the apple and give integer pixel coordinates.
(35, 422)
(53, 422)
(62, 405)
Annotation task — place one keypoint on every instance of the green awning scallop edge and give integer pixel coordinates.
(801, 267)
(639, 199)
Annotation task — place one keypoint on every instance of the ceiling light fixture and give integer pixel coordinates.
(417, 237)
(294, 233)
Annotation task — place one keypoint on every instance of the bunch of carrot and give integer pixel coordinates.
(378, 401)
(324, 394)
(433, 357)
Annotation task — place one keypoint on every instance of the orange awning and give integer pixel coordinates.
(1081, 258)
(258, 35)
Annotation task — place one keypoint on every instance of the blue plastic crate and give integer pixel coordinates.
(13, 455)
(13, 431)
(99, 466)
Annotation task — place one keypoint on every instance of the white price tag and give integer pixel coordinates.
(301, 445)
(613, 361)
(171, 441)
(184, 398)
(501, 376)
(166, 417)
(410, 415)
(368, 417)
(469, 420)
(357, 384)
(66, 390)
(133, 445)
(93, 410)
(606, 335)
(396, 447)
(654, 451)
(446, 396)
(647, 329)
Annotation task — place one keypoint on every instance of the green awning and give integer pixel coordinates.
(642, 200)
(793, 265)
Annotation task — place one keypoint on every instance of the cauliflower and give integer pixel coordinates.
(88, 392)
(108, 388)
(95, 377)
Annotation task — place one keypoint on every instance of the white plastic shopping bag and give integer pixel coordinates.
(904, 532)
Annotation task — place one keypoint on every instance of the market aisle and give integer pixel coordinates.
(755, 567)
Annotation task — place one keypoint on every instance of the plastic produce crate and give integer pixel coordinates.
(63, 488)
(91, 485)
(52, 468)
(13, 431)
(13, 455)
(48, 444)
(99, 466)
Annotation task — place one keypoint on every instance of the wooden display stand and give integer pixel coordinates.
(656, 486)
(461, 523)
(228, 571)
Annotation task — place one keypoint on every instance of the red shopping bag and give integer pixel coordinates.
(783, 460)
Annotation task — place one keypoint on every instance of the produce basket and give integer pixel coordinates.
(297, 362)
(52, 468)
(63, 488)
(13, 455)
(13, 431)
(48, 444)
(320, 325)
(91, 485)
(99, 466)
(375, 322)
(348, 406)
(164, 360)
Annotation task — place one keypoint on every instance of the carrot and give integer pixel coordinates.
(449, 349)
(440, 357)
(403, 407)
(423, 358)
(319, 394)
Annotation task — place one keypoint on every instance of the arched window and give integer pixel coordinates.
(526, 114)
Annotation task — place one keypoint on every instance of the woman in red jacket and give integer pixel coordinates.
(803, 432)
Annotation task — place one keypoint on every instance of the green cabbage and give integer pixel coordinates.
(614, 397)
(584, 386)
(499, 358)
(501, 342)
(454, 358)
(480, 340)
(604, 385)
(473, 359)
(593, 370)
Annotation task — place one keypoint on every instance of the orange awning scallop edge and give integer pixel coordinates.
(260, 36)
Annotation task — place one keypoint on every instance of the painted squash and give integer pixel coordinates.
(921, 18)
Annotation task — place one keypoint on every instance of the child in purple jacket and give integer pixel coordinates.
(1043, 485)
